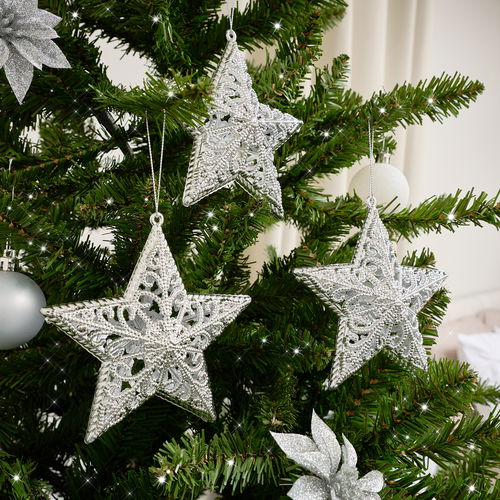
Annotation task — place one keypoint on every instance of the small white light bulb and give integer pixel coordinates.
(277, 26)
(162, 479)
(16, 477)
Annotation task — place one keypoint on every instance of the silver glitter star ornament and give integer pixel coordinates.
(377, 300)
(26, 34)
(322, 455)
(151, 340)
(237, 142)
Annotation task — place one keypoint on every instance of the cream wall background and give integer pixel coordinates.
(391, 41)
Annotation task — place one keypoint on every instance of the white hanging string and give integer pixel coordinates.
(232, 8)
(7, 243)
(371, 138)
(10, 168)
(156, 185)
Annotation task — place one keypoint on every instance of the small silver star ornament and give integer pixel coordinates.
(377, 300)
(151, 340)
(237, 142)
(26, 34)
(322, 455)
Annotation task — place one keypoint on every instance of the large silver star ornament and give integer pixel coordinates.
(26, 34)
(237, 142)
(377, 300)
(151, 340)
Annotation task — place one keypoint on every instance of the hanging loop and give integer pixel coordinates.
(156, 219)
(231, 35)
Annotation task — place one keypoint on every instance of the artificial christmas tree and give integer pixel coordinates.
(268, 366)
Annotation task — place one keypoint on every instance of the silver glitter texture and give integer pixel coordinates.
(151, 340)
(322, 455)
(377, 300)
(26, 34)
(237, 142)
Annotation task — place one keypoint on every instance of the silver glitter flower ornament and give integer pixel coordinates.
(322, 456)
(377, 300)
(237, 142)
(151, 340)
(26, 34)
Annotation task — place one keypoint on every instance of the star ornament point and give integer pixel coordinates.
(377, 301)
(150, 341)
(237, 142)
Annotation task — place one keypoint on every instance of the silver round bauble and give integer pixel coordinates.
(20, 302)
(388, 183)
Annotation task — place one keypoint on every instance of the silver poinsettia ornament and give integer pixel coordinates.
(322, 455)
(26, 34)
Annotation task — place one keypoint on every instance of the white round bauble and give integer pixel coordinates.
(388, 183)
(20, 302)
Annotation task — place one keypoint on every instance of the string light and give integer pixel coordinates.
(264, 340)
(162, 479)
(43, 248)
(16, 477)
(424, 407)
(451, 216)
(170, 93)
(210, 214)
(296, 350)
(277, 26)
(382, 110)
(74, 14)
(472, 488)
(109, 201)
(326, 133)
(215, 227)
(430, 100)
(230, 462)
(251, 214)
(155, 19)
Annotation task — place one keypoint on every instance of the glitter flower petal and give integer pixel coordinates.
(4, 52)
(19, 73)
(309, 488)
(26, 34)
(321, 456)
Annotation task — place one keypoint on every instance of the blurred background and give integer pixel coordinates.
(389, 42)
